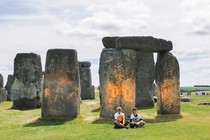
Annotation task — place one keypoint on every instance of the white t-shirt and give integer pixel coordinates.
(119, 117)
(135, 118)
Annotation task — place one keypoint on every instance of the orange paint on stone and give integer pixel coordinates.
(168, 92)
(46, 92)
(123, 92)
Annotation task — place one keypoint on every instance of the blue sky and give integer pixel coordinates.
(39, 25)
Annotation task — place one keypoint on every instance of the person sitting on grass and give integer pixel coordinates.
(136, 120)
(120, 119)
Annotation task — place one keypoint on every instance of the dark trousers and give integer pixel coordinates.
(118, 125)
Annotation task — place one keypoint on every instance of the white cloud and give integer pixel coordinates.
(197, 16)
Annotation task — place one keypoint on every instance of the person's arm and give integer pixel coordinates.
(139, 118)
(131, 118)
(123, 119)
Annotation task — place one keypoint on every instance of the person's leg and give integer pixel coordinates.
(126, 123)
(142, 123)
(131, 125)
(117, 124)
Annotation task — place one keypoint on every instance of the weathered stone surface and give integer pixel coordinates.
(109, 42)
(204, 103)
(3, 95)
(185, 98)
(61, 97)
(144, 44)
(167, 77)
(27, 80)
(1, 81)
(8, 86)
(144, 79)
(86, 64)
(86, 81)
(117, 74)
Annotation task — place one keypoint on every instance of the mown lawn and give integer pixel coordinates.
(192, 124)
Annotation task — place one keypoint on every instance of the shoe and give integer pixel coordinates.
(142, 124)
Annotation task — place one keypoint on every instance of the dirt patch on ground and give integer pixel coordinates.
(91, 103)
(90, 118)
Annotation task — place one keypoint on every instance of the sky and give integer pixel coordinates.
(38, 25)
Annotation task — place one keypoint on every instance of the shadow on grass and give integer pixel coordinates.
(96, 110)
(22, 109)
(47, 122)
(157, 119)
(103, 121)
(150, 107)
(163, 118)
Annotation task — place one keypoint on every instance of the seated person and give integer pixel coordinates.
(136, 120)
(120, 119)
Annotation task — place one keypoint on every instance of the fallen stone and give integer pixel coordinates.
(61, 97)
(117, 75)
(167, 77)
(144, 79)
(204, 103)
(27, 80)
(185, 98)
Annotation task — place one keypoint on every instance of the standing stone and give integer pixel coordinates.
(117, 75)
(1, 81)
(61, 96)
(3, 95)
(167, 77)
(26, 85)
(145, 79)
(87, 91)
(8, 86)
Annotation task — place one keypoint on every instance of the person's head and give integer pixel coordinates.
(119, 109)
(134, 110)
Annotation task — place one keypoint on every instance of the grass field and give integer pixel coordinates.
(192, 124)
(194, 89)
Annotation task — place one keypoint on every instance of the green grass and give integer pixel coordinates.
(194, 89)
(192, 124)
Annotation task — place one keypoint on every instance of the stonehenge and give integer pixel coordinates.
(165, 72)
(61, 95)
(117, 81)
(26, 83)
(127, 75)
(87, 90)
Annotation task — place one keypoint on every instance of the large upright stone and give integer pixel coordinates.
(26, 85)
(145, 70)
(3, 95)
(10, 79)
(61, 96)
(1, 81)
(117, 75)
(167, 77)
(87, 91)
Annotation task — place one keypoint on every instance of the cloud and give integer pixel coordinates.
(197, 16)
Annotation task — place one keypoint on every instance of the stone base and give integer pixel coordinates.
(26, 103)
